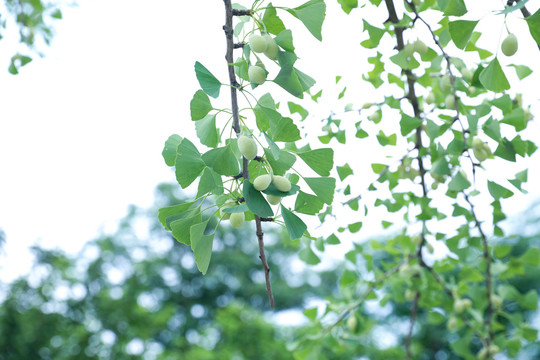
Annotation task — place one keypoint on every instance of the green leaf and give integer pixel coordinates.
(440, 167)
(348, 5)
(271, 21)
(531, 256)
(307, 204)
(181, 228)
(295, 225)
(209, 83)
(285, 40)
(298, 109)
(274, 149)
(165, 212)
(237, 209)
(222, 160)
(189, 163)
(461, 31)
(375, 35)
(323, 187)
(521, 177)
(272, 190)
(256, 201)
(506, 150)
(201, 245)
(287, 77)
(355, 227)
(280, 164)
(308, 256)
(534, 26)
(284, 130)
(492, 129)
(169, 151)
(498, 191)
(515, 7)
(408, 124)
(344, 171)
(207, 131)
(57, 14)
(522, 71)
(265, 112)
(312, 15)
(493, 78)
(200, 105)
(459, 182)
(320, 160)
(455, 8)
(210, 183)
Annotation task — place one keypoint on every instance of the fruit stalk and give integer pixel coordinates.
(228, 28)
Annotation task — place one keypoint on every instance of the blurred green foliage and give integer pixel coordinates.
(33, 19)
(137, 294)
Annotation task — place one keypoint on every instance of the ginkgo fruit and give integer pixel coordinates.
(248, 147)
(450, 101)
(257, 43)
(224, 215)
(237, 219)
(430, 99)
(274, 200)
(271, 47)
(281, 183)
(352, 323)
(481, 150)
(420, 47)
(460, 305)
(262, 182)
(256, 74)
(445, 84)
(509, 45)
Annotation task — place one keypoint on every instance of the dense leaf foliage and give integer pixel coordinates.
(446, 107)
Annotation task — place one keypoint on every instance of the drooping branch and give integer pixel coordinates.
(487, 258)
(228, 28)
(413, 99)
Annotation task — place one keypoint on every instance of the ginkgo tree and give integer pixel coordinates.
(455, 112)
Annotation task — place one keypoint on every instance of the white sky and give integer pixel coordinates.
(82, 129)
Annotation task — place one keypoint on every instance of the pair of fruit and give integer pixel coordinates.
(417, 46)
(460, 305)
(481, 150)
(261, 44)
(281, 183)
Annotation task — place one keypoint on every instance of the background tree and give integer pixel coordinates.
(135, 294)
(33, 20)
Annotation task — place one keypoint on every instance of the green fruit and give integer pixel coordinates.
(409, 294)
(420, 47)
(262, 182)
(352, 323)
(467, 303)
(272, 47)
(237, 220)
(445, 84)
(450, 101)
(459, 306)
(496, 301)
(468, 75)
(257, 43)
(416, 239)
(256, 74)
(430, 248)
(483, 354)
(224, 215)
(281, 183)
(452, 324)
(430, 99)
(274, 200)
(248, 147)
(409, 270)
(509, 45)
(409, 50)
(375, 117)
(481, 150)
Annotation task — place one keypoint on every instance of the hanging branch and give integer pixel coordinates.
(228, 28)
(413, 99)
(487, 258)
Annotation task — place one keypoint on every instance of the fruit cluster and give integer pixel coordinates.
(261, 44)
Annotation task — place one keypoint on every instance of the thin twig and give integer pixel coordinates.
(362, 298)
(487, 258)
(411, 95)
(228, 28)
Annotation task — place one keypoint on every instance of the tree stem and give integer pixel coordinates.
(228, 28)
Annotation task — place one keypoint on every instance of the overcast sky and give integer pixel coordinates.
(82, 129)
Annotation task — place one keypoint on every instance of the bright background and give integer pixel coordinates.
(82, 129)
